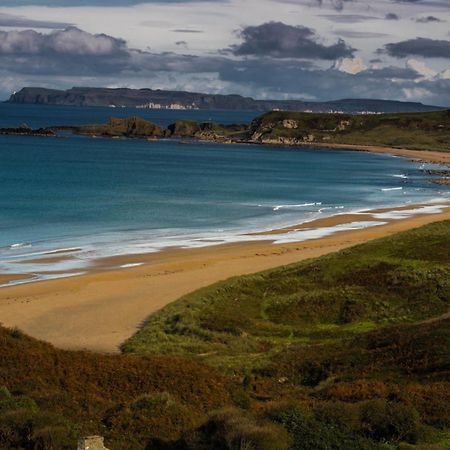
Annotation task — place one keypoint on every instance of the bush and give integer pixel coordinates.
(308, 433)
(231, 429)
(388, 421)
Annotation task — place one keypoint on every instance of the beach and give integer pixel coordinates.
(418, 155)
(99, 310)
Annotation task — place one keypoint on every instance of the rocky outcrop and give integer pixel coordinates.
(183, 128)
(25, 130)
(127, 127)
(290, 124)
(91, 443)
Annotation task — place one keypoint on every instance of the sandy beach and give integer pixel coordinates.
(99, 310)
(418, 155)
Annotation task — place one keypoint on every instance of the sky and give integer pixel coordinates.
(282, 49)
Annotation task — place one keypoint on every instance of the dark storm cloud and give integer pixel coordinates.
(94, 2)
(74, 52)
(429, 3)
(278, 40)
(68, 51)
(71, 53)
(70, 41)
(392, 16)
(336, 4)
(428, 19)
(359, 34)
(427, 48)
(10, 20)
(187, 30)
(292, 79)
(348, 18)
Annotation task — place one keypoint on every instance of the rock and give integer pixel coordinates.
(290, 124)
(128, 127)
(184, 128)
(91, 443)
(343, 125)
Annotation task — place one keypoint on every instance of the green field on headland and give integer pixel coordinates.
(419, 131)
(348, 351)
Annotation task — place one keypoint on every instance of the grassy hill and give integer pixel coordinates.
(346, 352)
(427, 131)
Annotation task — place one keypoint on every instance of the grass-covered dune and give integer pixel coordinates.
(367, 324)
(419, 131)
(346, 352)
(49, 397)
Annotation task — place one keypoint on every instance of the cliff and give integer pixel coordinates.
(143, 98)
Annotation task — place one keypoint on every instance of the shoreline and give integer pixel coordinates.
(100, 309)
(45, 265)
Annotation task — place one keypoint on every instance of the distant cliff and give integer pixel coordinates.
(148, 98)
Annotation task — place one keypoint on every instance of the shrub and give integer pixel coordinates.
(389, 421)
(308, 433)
(232, 429)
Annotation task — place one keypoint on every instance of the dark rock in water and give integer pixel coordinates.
(127, 127)
(183, 128)
(25, 130)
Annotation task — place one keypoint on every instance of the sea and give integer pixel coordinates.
(92, 198)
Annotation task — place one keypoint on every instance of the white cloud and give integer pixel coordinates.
(421, 68)
(351, 65)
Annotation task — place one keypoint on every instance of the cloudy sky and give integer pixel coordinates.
(303, 49)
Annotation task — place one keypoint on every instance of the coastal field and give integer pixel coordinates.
(348, 351)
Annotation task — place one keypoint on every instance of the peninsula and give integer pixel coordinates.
(179, 100)
(425, 132)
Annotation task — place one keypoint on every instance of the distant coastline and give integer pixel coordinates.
(181, 100)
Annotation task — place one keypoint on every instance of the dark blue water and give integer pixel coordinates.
(109, 197)
(36, 116)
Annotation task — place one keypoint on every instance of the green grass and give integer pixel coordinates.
(421, 131)
(397, 280)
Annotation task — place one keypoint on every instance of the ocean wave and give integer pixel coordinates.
(392, 189)
(401, 175)
(301, 205)
(406, 213)
(130, 265)
(41, 277)
(20, 245)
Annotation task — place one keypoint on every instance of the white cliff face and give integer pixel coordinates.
(174, 106)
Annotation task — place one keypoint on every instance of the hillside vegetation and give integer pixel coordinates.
(421, 131)
(346, 352)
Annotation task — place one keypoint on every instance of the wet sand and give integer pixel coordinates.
(99, 310)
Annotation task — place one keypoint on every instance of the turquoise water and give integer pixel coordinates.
(106, 197)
